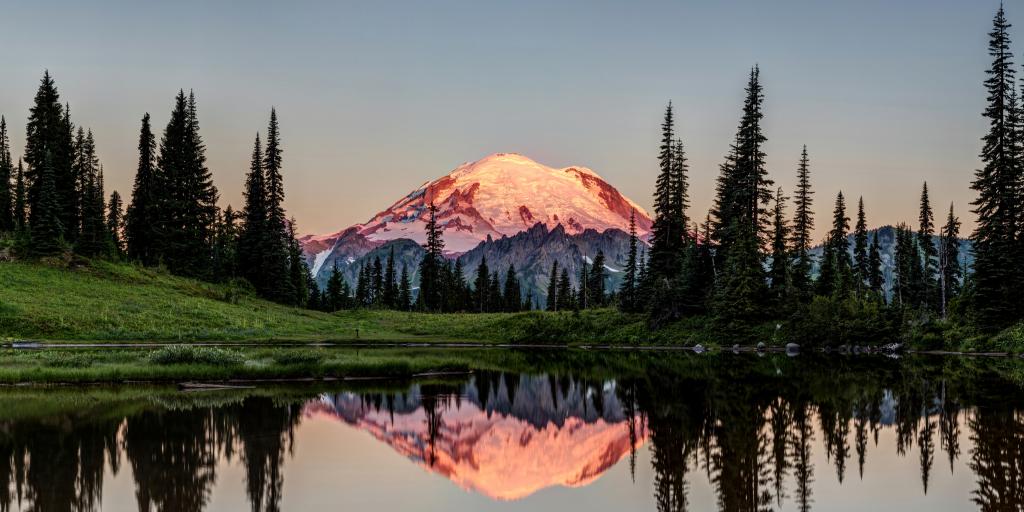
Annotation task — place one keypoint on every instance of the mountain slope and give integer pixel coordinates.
(500, 195)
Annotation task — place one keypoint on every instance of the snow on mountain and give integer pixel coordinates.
(501, 194)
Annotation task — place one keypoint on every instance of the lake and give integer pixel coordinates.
(556, 430)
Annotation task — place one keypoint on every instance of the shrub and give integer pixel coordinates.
(298, 357)
(190, 354)
(66, 360)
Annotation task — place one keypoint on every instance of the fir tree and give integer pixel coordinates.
(584, 280)
(93, 239)
(495, 302)
(595, 285)
(480, 286)
(20, 201)
(779, 273)
(362, 286)
(143, 214)
(48, 143)
(565, 292)
(254, 222)
(430, 295)
(390, 299)
(225, 246)
(552, 304)
(512, 294)
(875, 280)
(298, 270)
(115, 224)
(998, 185)
(190, 210)
(929, 253)
(377, 282)
(45, 226)
(740, 209)
(404, 291)
(335, 283)
(950, 272)
(6, 175)
(836, 275)
(860, 248)
(627, 291)
(666, 233)
(275, 243)
(803, 225)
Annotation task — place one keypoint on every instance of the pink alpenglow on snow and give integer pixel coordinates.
(501, 194)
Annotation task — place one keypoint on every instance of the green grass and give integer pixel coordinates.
(103, 301)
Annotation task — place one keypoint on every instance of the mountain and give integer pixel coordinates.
(507, 439)
(481, 203)
(887, 250)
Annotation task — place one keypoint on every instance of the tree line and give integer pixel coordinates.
(749, 262)
(52, 202)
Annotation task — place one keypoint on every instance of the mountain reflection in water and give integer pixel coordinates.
(736, 433)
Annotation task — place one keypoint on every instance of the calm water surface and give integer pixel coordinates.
(612, 431)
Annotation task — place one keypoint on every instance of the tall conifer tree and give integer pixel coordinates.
(20, 200)
(950, 272)
(627, 291)
(254, 218)
(6, 176)
(860, 248)
(143, 215)
(803, 225)
(996, 283)
(274, 246)
(552, 304)
(929, 253)
(779, 273)
(45, 222)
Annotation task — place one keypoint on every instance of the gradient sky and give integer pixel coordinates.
(375, 98)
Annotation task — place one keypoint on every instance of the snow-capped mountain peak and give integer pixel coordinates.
(500, 195)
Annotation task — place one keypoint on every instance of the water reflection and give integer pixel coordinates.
(759, 434)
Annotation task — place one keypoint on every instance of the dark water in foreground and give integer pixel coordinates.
(613, 431)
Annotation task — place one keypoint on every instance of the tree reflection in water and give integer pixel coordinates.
(749, 426)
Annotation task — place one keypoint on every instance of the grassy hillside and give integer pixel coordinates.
(103, 301)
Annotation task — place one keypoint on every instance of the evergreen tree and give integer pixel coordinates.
(335, 283)
(225, 246)
(627, 291)
(861, 261)
(779, 273)
(929, 253)
(740, 209)
(45, 228)
(6, 175)
(874, 271)
(595, 285)
(48, 143)
(377, 282)
(950, 272)
(115, 223)
(275, 243)
(390, 282)
(254, 222)
(495, 302)
(513, 294)
(552, 304)
(565, 291)
(362, 286)
(404, 291)
(836, 275)
(20, 200)
(430, 266)
(669, 201)
(584, 280)
(93, 238)
(189, 211)
(298, 269)
(481, 286)
(995, 279)
(803, 225)
(143, 214)
(680, 189)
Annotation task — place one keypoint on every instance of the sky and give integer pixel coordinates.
(376, 98)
